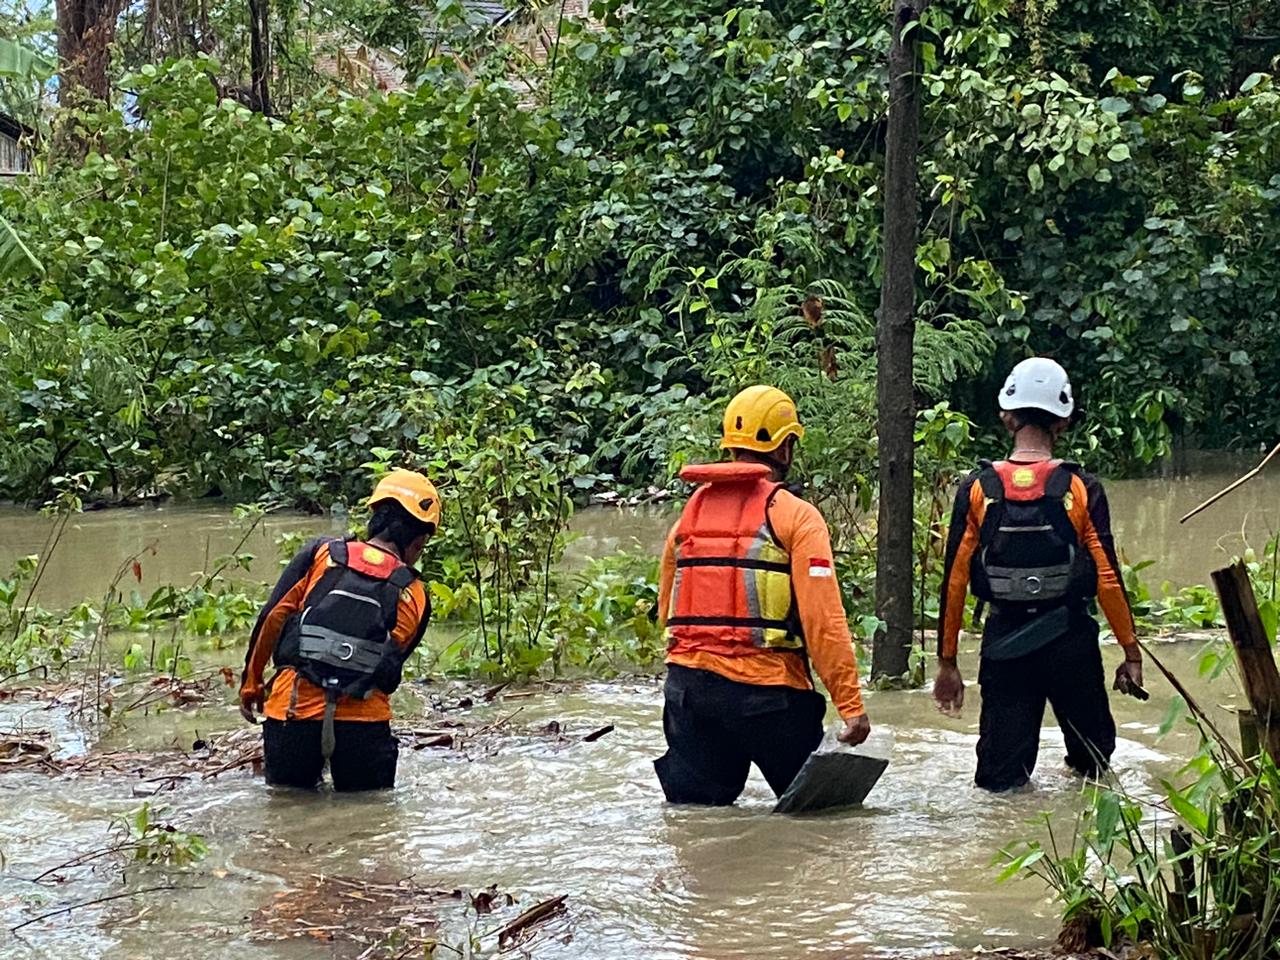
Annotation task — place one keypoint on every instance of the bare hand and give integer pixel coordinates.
(856, 730)
(1129, 680)
(948, 688)
(247, 705)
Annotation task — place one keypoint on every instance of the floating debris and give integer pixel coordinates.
(362, 913)
(25, 748)
(164, 769)
(361, 917)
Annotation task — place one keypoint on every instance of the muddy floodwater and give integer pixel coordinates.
(909, 875)
(187, 539)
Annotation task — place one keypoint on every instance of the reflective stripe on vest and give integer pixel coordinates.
(732, 593)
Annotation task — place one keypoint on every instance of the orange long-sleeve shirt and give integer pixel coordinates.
(293, 697)
(1090, 515)
(803, 533)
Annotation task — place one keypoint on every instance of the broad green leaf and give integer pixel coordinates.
(1107, 812)
(1195, 818)
(1252, 81)
(20, 62)
(16, 258)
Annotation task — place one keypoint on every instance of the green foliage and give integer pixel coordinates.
(236, 304)
(1194, 878)
(606, 617)
(1194, 607)
(155, 841)
(16, 259)
(32, 638)
(533, 281)
(599, 621)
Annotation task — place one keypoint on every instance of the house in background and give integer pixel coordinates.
(14, 157)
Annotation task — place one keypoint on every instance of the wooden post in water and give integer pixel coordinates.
(895, 341)
(1253, 652)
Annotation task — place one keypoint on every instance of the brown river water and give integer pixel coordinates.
(909, 875)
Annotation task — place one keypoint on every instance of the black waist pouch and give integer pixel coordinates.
(1036, 634)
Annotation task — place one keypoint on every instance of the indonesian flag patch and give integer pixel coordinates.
(820, 567)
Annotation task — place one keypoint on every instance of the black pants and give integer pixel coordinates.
(1068, 674)
(364, 754)
(716, 728)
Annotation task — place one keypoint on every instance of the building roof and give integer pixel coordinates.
(12, 129)
(494, 11)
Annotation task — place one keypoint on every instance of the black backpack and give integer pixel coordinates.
(1029, 555)
(341, 640)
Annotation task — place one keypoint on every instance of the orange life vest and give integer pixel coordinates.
(732, 594)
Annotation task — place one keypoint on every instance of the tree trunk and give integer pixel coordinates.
(1253, 652)
(260, 54)
(86, 30)
(895, 335)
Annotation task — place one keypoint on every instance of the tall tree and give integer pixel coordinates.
(895, 336)
(260, 54)
(86, 30)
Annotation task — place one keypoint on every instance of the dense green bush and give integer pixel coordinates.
(230, 303)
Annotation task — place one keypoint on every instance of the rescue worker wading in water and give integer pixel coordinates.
(1031, 537)
(339, 626)
(748, 596)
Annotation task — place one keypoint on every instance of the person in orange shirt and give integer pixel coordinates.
(339, 626)
(748, 597)
(1031, 536)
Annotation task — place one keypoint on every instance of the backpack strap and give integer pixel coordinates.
(402, 577)
(768, 507)
(1058, 483)
(338, 552)
(993, 490)
(1056, 487)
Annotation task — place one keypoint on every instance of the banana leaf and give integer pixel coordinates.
(23, 63)
(16, 258)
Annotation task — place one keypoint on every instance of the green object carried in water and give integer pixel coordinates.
(829, 780)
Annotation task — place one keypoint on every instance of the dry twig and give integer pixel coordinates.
(1234, 485)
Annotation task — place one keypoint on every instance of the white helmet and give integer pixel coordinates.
(1039, 384)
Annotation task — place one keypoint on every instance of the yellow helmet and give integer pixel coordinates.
(411, 490)
(760, 418)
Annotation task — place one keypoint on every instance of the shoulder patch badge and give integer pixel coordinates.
(820, 567)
